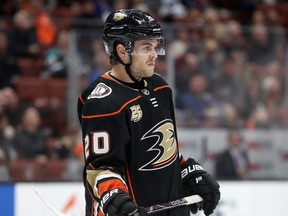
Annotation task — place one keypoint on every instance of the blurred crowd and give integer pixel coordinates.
(228, 59)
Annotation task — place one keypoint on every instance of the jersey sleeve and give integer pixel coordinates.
(106, 136)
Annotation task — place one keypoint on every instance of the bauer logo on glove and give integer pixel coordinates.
(190, 169)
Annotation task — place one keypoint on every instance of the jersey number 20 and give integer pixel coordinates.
(100, 143)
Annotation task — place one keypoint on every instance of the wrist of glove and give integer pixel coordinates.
(197, 181)
(117, 202)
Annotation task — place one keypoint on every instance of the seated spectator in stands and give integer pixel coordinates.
(70, 148)
(7, 133)
(171, 10)
(186, 66)
(6, 150)
(211, 59)
(232, 39)
(230, 117)
(233, 162)
(30, 140)
(9, 69)
(22, 36)
(228, 86)
(11, 105)
(259, 118)
(45, 27)
(201, 107)
(55, 59)
(180, 43)
(63, 147)
(261, 48)
(274, 100)
(271, 111)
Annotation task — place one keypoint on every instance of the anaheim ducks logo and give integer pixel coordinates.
(100, 91)
(137, 113)
(118, 16)
(165, 145)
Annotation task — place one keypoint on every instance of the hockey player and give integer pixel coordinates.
(129, 133)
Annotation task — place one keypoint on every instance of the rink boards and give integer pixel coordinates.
(249, 198)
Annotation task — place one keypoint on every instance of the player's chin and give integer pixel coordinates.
(149, 73)
(150, 70)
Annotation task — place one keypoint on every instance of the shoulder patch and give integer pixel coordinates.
(100, 91)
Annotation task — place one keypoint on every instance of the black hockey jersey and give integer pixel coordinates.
(130, 142)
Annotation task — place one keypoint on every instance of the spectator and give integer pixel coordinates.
(259, 118)
(5, 149)
(261, 48)
(64, 146)
(199, 105)
(12, 106)
(258, 18)
(211, 22)
(273, 103)
(9, 69)
(186, 66)
(233, 162)
(227, 87)
(211, 59)
(45, 27)
(55, 59)
(30, 140)
(171, 10)
(23, 37)
(231, 117)
(70, 148)
(7, 133)
(180, 43)
(232, 38)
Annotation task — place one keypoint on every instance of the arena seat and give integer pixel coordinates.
(26, 170)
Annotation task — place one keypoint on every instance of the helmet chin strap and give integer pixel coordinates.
(140, 83)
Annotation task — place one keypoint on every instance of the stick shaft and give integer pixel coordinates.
(53, 209)
(173, 204)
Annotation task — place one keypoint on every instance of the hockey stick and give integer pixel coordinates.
(173, 204)
(53, 209)
(150, 210)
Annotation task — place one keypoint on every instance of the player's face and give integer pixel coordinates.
(144, 58)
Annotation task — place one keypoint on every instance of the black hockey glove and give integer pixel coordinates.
(197, 181)
(117, 203)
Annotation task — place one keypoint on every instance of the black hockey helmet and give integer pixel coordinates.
(126, 26)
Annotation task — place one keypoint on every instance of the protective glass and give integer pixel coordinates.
(149, 47)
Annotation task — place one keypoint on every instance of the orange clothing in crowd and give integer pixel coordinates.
(46, 30)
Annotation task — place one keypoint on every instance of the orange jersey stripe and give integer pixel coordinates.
(161, 87)
(81, 99)
(106, 76)
(112, 113)
(166, 162)
(110, 185)
(129, 183)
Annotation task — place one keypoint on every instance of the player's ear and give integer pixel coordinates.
(121, 51)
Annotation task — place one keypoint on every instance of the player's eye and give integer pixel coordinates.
(147, 49)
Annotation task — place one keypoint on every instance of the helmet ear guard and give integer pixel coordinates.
(110, 48)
